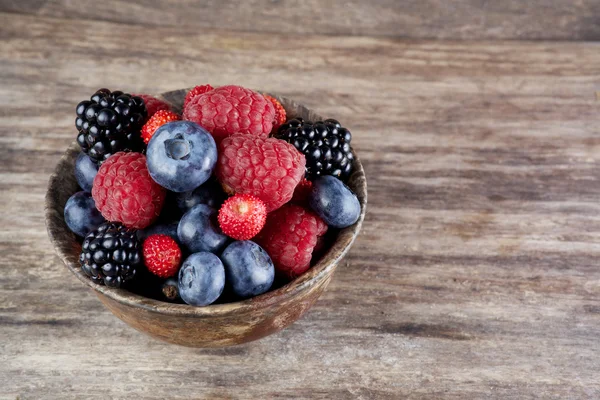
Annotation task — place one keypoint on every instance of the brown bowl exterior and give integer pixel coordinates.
(215, 325)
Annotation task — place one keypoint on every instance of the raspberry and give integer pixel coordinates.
(289, 237)
(267, 168)
(280, 114)
(301, 192)
(153, 104)
(162, 256)
(231, 109)
(124, 192)
(242, 216)
(195, 92)
(159, 118)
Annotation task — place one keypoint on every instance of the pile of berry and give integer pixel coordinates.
(227, 197)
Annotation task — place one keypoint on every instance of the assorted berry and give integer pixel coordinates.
(334, 202)
(124, 192)
(157, 120)
(326, 145)
(199, 230)
(267, 168)
(248, 268)
(195, 92)
(85, 172)
(242, 216)
(170, 289)
(230, 194)
(289, 237)
(111, 254)
(162, 255)
(110, 122)
(81, 214)
(181, 156)
(280, 114)
(201, 279)
(228, 110)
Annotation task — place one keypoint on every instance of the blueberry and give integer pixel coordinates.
(170, 289)
(209, 193)
(85, 171)
(81, 214)
(248, 268)
(334, 202)
(159, 229)
(198, 230)
(181, 156)
(201, 279)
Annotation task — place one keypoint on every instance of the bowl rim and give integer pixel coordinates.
(315, 274)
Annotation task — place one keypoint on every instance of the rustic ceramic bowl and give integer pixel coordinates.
(216, 325)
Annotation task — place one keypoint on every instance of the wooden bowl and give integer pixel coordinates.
(217, 325)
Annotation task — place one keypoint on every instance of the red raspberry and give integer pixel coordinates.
(153, 104)
(195, 92)
(289, 237)
(267, 168)
(159, 118)
(162, 255)
(301, 192)
(231, 109)
(124, 192)
(242, 216)
(280, 114)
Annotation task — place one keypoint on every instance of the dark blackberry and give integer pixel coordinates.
(110, 122)
(326, 145)
(111, 254)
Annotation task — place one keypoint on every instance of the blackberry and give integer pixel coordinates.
(326, 145)
(111, 254)
(110, 122)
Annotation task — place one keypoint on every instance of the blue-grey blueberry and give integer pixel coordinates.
(81, 214)
(181, 156)
(334, 202)
(198, 230)
(85, 171)
(201, 279)
(248, 268)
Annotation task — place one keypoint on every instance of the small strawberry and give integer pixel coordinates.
(195, 92)
(280, 115)
(162, 255)
(242, 216)
(160, 118)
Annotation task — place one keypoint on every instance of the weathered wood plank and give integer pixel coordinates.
(476, 272)
(419, 19)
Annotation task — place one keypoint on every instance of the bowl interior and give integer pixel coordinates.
(62, 185)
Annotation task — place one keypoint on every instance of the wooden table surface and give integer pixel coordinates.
(476, 274)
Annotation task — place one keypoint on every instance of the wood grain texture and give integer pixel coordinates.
(476, 273)
(418, 19)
